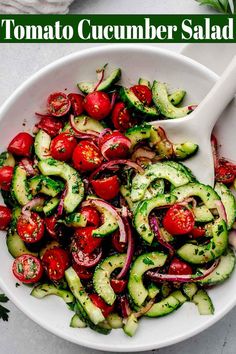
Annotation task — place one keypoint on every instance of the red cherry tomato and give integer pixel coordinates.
(32, 230)
(121, 117)
(27, 269)
(58, 104)
(178, 220)
(55, 262)
(224, 174)
(143, 93)
(118, 285)
(91, 215)
(50, 224)
(62, 147)
(198, 232)
(99, 302)
(97, 104)
(85, 259)
(83, 272)
(85, 240)
(178, 267)
(119, 246)
(76, 103)
(115, 145)
(21, 145)
(86, 156)
(106, 188)
(50, 125)
(6, 174)
(5, 217)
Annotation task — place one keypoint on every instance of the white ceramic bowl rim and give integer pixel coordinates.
(4, 108)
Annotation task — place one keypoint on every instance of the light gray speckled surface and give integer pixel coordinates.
(18, 61)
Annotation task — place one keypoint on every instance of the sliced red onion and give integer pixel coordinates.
(113, 141)
(81, 134)
(27, 164)
(232, 238)
(221, 210)
(41, 115)
(186, 201)
(35, 130)
(112, 210)
(113, 99)
(100, 73)
(104, 132)
(130, 250)
(124, 305)
(61, 203)
(85, 259)
(192, 107)
(34, 203)
(142, 153)
(157, 231)
(166, 141)
(158, 277)
(214, 151)
(109, 165)
(144, 309)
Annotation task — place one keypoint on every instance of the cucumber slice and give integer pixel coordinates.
(179, 296)
(76, 322)
(42, 144)
(185, 150)
(180, 167)
(50, 206)
(84, 123)
(19, 187)
(102, 274)
(44, 290)
(153, 291)
(75, 220)
(228, 201)
(176, 97)
(199, 254)
(141, 217)
(131, 325)
(88, 87)
(7, 159)
(16, 246)
(50, 245)
(45, 185)
(166, 289)
(138, 134)
(144, 82)
(190, 290)
(203, 302)
(114, 320)
(75, 186)
(160, 170)
(132, 102)
(205, 193)
(146, 261)
(77, 289)
(202, 214)
(222, 271)
(164, 307)
(163, 104)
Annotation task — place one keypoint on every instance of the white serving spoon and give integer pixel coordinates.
(198, 126)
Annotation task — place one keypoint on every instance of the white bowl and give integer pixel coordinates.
(136, 61)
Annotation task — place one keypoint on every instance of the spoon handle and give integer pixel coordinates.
(218, 98)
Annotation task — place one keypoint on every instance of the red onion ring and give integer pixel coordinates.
(112, 210)
(232, 238)
(166, 141)
(85, 259)
(27, 164)
(81, 134)
(158, 277)
(192, 107)
(221, 210)
(130, 250)
(61, 203)
(109, 165)
(124, 305)
(142, 152)
(157, 231)
(113, 99)
(41, 115)
(144, 309)
(26, 210)
(112, 141)
(100, 73)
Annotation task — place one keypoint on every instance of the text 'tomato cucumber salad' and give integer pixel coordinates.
(101, 212)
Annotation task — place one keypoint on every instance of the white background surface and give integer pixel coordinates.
(18, 61)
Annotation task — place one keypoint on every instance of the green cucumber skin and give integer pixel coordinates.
(43, 290)
(203, 302)
(228, 201)
(19, 186)
(176, 97)
(164, 307)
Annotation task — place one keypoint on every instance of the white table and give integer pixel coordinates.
(18, 61)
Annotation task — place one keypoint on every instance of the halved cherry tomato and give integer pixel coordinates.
(178, 220)
(97, 104)
(50, 125)
(5, 217)
(121, 117)
(50, 224)
(62, 147)
(224, 174)
(83, 272)
(76, 103)
(58, 104)
(86, 156)
(85, 240)
(119, 246)
(27, 269)
(85, 259)
(118, 285)
(55, 262)
(6, 174)
(106, 188)
(114, 145)
(178, 267)
(21, 145)
(91, 215)
(99, 302)
(198, 232)
(30, 230)
(143, 93)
